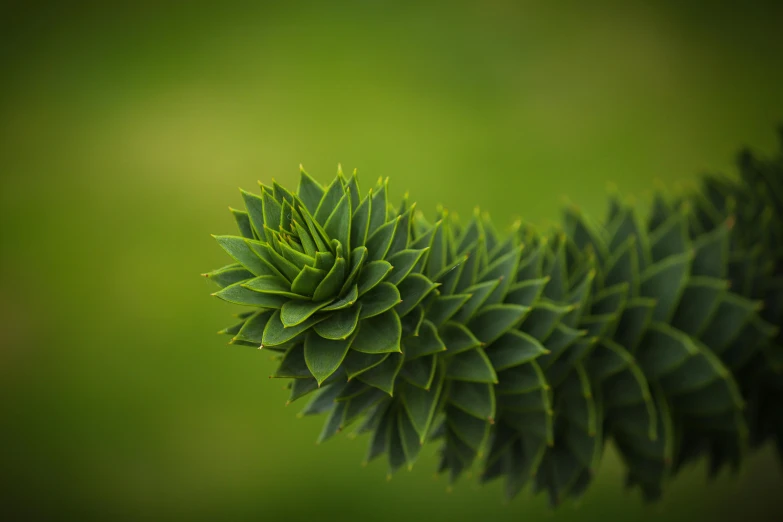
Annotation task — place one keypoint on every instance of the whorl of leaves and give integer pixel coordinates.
(524, 353)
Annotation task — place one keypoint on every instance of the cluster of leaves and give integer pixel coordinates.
(524, 353)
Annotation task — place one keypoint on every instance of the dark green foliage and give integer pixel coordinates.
(524, 354)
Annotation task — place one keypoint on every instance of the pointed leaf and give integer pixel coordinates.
(324, 356)
(338, 225)
(495, 320)
(271, 285)
(474, 398)
(383, 375)
(228, 275)
(472, 365)
(371, 274)
(426, 343)
(309, 191)
(380, 240)
(514, 348)
(382, 297)
(379, 334)
(413, 290)
(307, 281)
(348, 299)
(238, 294)
(330, 286)
(356, 363)
(295, 312)
(340, 324)
(358, 256)
(238, 248)
(457, 338)
(276, 333)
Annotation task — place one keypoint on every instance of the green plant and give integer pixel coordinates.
(525, 352)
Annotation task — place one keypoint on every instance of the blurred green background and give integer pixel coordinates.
(125, 130)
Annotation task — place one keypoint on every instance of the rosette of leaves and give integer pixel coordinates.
(525, 353)
(322, 268)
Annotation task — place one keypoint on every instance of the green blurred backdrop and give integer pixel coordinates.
(125, 130)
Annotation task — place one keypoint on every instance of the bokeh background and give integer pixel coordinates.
(126, 129)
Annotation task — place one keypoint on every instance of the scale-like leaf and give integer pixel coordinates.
(379, 334)
(514, 348)
(324, 356)
(358, 362)
(402, 263)
(472, 365)
(339, 324)
(228, 275)
(338, 225)
(474, 398)
(384, 374)
(457, 338)
(665, 282)
(372, 273)
(295, 312)
(238, 294)
(413, 290)
(253, 329)
(426, 342)
(495, 320)
(331, 284)
(307, 281)
(276, 333)
(382, 297)
(380, 240)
